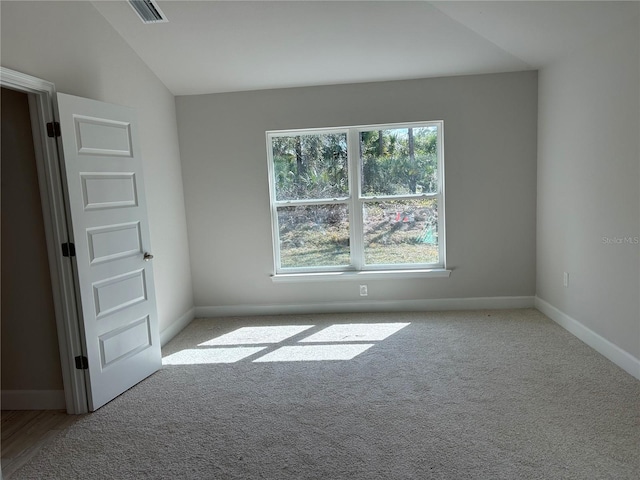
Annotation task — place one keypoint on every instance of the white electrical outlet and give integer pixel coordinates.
(565, 280)
(363, 291)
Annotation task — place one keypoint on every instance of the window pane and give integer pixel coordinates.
(314, 236)
(401, 232)
(400, 161)
(310, 166)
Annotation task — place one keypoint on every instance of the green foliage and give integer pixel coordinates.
(399, 162)
(301, 218)
(311, 166)
(314, 235)
(394, 162)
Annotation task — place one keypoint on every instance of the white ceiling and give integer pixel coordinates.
(214, 46)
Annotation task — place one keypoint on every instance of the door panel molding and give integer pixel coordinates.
(90, 138)
(101, 191)
(117, 293)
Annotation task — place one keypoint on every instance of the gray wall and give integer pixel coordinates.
(28, 317)
(490, 158)
(588, 187)
(73, 46)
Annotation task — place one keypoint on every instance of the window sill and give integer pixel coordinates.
(363, 275)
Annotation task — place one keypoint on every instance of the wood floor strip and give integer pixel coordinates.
(25, 432)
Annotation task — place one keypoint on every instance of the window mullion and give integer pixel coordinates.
(441, 198)
(356, 223)
(275, 228)
(302, 203)
(381, 198)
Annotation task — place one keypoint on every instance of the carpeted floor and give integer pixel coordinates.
(456, 395)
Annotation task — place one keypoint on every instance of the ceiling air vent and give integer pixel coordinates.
(148, 11)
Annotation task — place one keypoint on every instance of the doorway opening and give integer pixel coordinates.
(37, 110)
(31, 371)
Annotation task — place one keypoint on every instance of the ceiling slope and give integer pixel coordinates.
(211, 46)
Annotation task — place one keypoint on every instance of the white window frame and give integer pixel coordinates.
(355, 203)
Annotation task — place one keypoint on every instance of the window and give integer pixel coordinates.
(357, 198)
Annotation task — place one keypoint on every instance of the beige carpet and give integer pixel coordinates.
(459, 395)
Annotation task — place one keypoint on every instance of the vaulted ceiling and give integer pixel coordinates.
(214, 46)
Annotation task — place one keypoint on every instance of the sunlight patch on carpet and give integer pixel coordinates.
(314, 353)
(337, 343)
(194, 356)
(257, 335)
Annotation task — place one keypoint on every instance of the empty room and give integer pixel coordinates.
(320, 239)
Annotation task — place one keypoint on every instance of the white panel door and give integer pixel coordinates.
(103, 172)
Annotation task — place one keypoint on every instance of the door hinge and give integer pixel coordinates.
(53, 129)
(82, 363)
(68, 250)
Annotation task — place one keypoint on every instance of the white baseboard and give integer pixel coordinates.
(478, 303)
(176, 327)
(623, 359)
(33, 400)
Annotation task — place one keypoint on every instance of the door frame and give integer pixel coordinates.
(43, 109)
